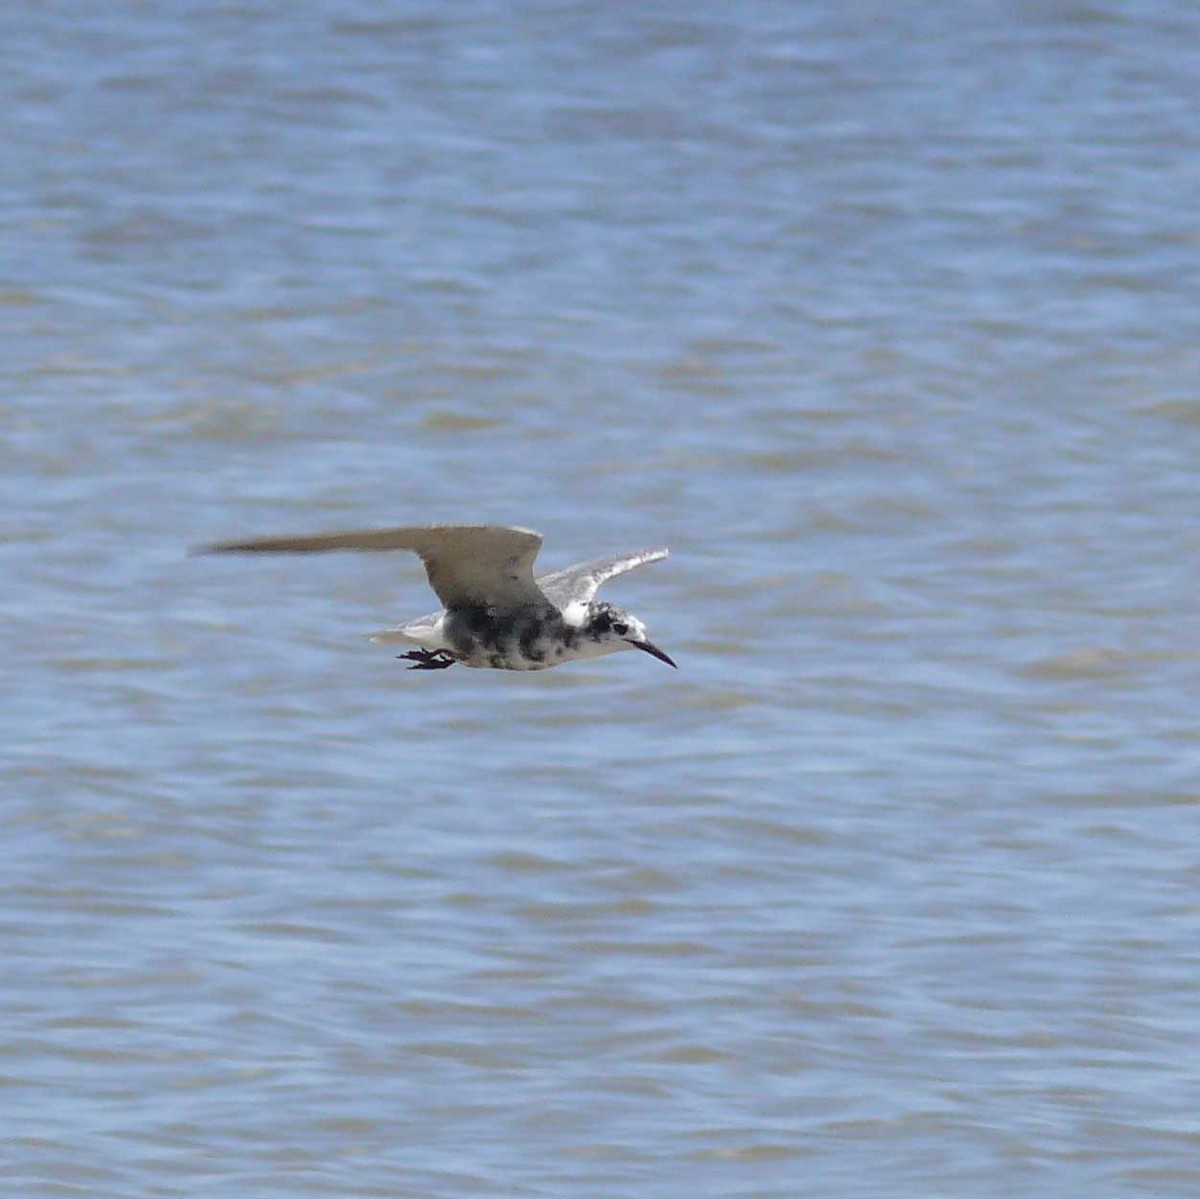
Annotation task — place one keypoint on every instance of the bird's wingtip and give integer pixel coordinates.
(218, 547)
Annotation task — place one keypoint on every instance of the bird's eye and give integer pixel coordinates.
(620, 629)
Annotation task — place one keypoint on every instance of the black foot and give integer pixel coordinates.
(429, 659)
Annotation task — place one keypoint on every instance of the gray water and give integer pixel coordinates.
(885, 318)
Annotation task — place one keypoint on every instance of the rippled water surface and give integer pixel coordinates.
(885, 318)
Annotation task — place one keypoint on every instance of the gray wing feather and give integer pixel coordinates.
(467, 564)
(579, 584)
(573, 584)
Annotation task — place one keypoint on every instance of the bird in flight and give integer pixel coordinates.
(496, 614)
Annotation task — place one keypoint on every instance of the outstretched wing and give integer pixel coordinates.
(467, 565)
(579, 584)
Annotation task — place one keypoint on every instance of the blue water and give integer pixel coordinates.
(885, 319)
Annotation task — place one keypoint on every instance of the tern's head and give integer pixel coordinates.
(612, 628)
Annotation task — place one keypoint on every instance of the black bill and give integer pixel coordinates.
(653, 651)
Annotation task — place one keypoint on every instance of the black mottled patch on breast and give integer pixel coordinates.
(530, 639)
(516, 639)
(468, 629)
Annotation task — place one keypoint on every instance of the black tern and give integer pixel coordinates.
(497, 615)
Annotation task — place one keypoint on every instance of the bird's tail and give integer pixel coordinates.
(391, 637)
(423, 632)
